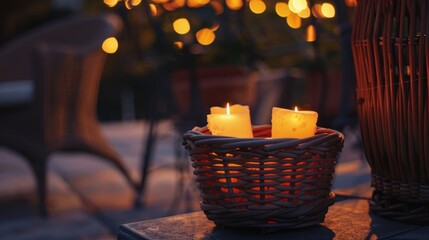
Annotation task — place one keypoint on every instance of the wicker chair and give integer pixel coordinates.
(63, 62)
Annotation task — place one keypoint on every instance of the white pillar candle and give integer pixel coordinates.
(231, 121)
(288, 123)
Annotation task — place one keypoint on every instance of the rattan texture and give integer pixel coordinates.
(264, 183)
(391, 51)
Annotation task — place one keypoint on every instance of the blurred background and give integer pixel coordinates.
(172, 61)
(302, 48)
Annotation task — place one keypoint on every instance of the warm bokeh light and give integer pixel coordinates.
(282, 9)
(328, 10)
(215, 27)
(257, 6)
(205, 36)
(298, 5)
(234, 4)
(110, 3)
(351, 3)
(292, 8)
(110, 45)
(127, 4)
(153, 9)
(305, 13)
(173, 5)
(160, 1)
(135, 2)
(196, 3)
(178, 44)
(181, 26)
(310, 34)
(294, 21)
(217, 6)
(316, 10)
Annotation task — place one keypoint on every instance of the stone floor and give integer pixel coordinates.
(89, 199)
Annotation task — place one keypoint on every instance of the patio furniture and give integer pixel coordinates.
(391, 50)
(62, 63)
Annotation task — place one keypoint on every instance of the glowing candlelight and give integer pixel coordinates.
(288, 123)
(231, 121)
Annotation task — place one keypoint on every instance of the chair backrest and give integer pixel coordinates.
(80, 32)
(66, 62)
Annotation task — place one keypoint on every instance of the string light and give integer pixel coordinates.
(305, 13)
(257, 6)
(328, 10)
(110, 45)
(181, 26)
(110, 3)
(310, 34)
(234, 4)
(294, 21)
(282, 9)
(205, 36)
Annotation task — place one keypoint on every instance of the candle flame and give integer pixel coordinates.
(296, 109)
(228, 112)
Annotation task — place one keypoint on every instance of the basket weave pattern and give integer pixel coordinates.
(391, 55)
(265, 183)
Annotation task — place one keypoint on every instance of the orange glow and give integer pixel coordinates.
(110, 3)
(153, 9)
(197, 3)
(215, 27)
(228, 111)
(205, 36)
(160, 1)
(310, 34)
(298, 5)
(257, 6)
(234, 4)
(294, 21)
(317, 10)
(173, 5)
(178, 44)
(282, 9)
(181, 26)
(328, 10)
(128, 4)
(351, 3)
(110, 45)
(217, 6)
(296, 109)
(135, 2)
(305, 13)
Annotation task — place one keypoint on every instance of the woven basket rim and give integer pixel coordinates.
(319, 130)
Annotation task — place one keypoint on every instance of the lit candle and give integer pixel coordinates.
(288, 123)
(231, 121)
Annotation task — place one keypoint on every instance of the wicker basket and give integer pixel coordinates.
(270, 184)
(391, 54)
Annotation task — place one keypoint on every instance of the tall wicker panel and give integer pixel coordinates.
(262, 183)
(391, 51)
